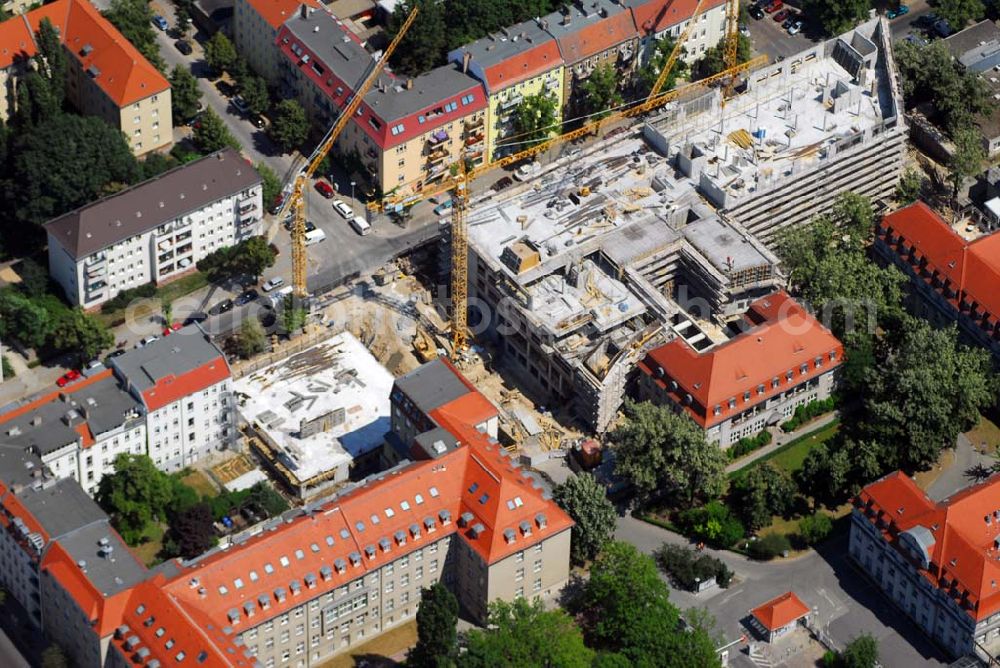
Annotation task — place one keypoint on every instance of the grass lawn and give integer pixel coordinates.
(169, 292)
(147, 552)
(377, 652)
(790, 456)
(986, 432)
(200, 483)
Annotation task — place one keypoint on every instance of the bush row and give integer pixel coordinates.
(745, 446)
(688, 568)
(806, 412)
(124, 298)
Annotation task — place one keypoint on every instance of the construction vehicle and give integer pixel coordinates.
(296, 202)
(424, 345)
(459, 183)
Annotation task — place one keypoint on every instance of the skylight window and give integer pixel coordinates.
(268, 568)
(375, 519)
(405, 505)
(329, 541)
(434, 492)
(473, 488)
(483, 499)
(238, 583)
(300, 555)
(418, 498)
(223, 590)
(389, 512)
(314, 547)
(253, 576)
(283, 560)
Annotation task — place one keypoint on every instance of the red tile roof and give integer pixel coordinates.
(656, 16)
(43, 399)
(174, 388)
(781, 611)
(523, 66)
(784, 336)
(597, 37)
(276, 12)
(124, 74)
(971, 269)
(964, 529)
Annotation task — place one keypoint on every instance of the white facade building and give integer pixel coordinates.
(155, 231)
(184, 384)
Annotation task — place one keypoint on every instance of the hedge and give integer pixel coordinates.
(769, 546)
(124, 298)
(745, 446)
(8, 370)
(713, 523)
(688, 568)
(806, 412)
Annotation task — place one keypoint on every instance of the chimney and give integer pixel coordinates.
(304, 11)
(409, 84)
(466, 59)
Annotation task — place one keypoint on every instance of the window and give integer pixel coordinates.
(538, 566)
(717, 410)
(421, 119)
(467, 99)
(397, 129)
(420, 499)
(451, 106)
(537, 586)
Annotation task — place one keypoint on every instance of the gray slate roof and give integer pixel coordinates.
(61, 507)
(432, 386)
(103, 405)
(152, 203)
(508, 42)
(975, 44)
(185, 350)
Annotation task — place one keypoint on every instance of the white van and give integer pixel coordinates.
(360, 225)
(315, 236)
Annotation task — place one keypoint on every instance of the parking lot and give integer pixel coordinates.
(771, 38)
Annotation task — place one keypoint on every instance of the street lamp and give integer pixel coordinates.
(352, 191)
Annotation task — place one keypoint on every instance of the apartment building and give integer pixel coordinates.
(936, 561)
(407, 132)
(184, 385)
(977, 49)
(656, 19)
(255, 31)
(591, 33)
(107, 76)
(954, 278)
(784, 358)
(155, 231)
(517, 62)
(78, 431)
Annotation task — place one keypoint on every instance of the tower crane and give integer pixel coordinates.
(459, 183)
(297, 201)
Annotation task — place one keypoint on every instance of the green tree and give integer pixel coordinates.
(663, 452)
(836, 16)
(425, 43)
(211, 133)
(714, 523)
(599, 94)
(437, 639)
(293, 315)
(34, 278)
(270, 184)
(23, 319)
(76, 331)
(185, 96)
(66, 162)
(764, 491)
(135, 495)
(289, 127)
(958, 13)
(253, 256)
(814, 529)
(967, 158)
(535, 118)
(525, 635)
(155, 164)
(585, 500)
(714, 61)
(861, 652)
(220, 54)
(854, 214)
(909, 187)
(769, 546)
(254, 92)
(52, 67)
(647, 75)
(134, 18)
(251, 339)
(191, 532)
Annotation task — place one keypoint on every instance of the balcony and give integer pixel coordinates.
(185, 249)
(166, 257)
(436, 158)
(247, 208)
(96, 271)
(96, 259)
(438, 137)
(551, 84)
(164, 244)
(474, 140)
(474, 125)
(511, 102)
(183, 237)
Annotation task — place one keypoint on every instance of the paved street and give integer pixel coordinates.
(843, 603)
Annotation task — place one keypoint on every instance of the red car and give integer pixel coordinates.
(167, 331)
(325, 189)
(779, 17)
(68, 377)
(774, 6)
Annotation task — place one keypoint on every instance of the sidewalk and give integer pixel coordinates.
(781, 438)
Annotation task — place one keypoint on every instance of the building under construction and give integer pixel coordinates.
(807, 128)
(578, 272)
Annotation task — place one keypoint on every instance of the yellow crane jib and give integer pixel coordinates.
(297, 200)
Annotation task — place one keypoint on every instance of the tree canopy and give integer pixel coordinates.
(185, 96)
(437, 639)
(586, 501)
(599, 94)
(211, 133)
(289, 126)
(834, 17)
(764, 491)
(270, 184)
(967, 159)
(254, 91)
(647, 74)
(191, 532)
(251, 339)
(958, 13)
(134, 20)
(534, 118)
(135, 495)
(713, 61)
(40, 319)
(250, 257)
(663, 453)
(220, 54)
(526, 635)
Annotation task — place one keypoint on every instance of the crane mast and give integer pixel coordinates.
(297, 201)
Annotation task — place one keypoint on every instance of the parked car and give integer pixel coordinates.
(324, 189)
(441, 208)
(247, 297)
(774, 6)
(501, 183)
(943, 29)
(70, 376)
(796, 27)
(225, 88)
(898, 11)
(222, 307)
(343, 209)
(117, 353)
(756, 12)
(146, 341)
(527, 171)
(260, 121)
(787, 23)
(240, 104)
(160, 22)
(197, 316)
(278, 201)
(93, 364)
(780, 16)
(744, 30)
(273, 284)
(170, 329)
(183, 46)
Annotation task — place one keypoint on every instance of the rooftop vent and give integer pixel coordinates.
(465, 519)
(86, 50)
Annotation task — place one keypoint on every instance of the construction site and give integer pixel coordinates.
(661, 231)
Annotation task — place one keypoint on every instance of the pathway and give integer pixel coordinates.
(780, 439)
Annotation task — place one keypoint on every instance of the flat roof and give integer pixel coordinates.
(337, 382)
(146, 206)
(432, 385)
(111, 566)
(724, 246)
(61, 506)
